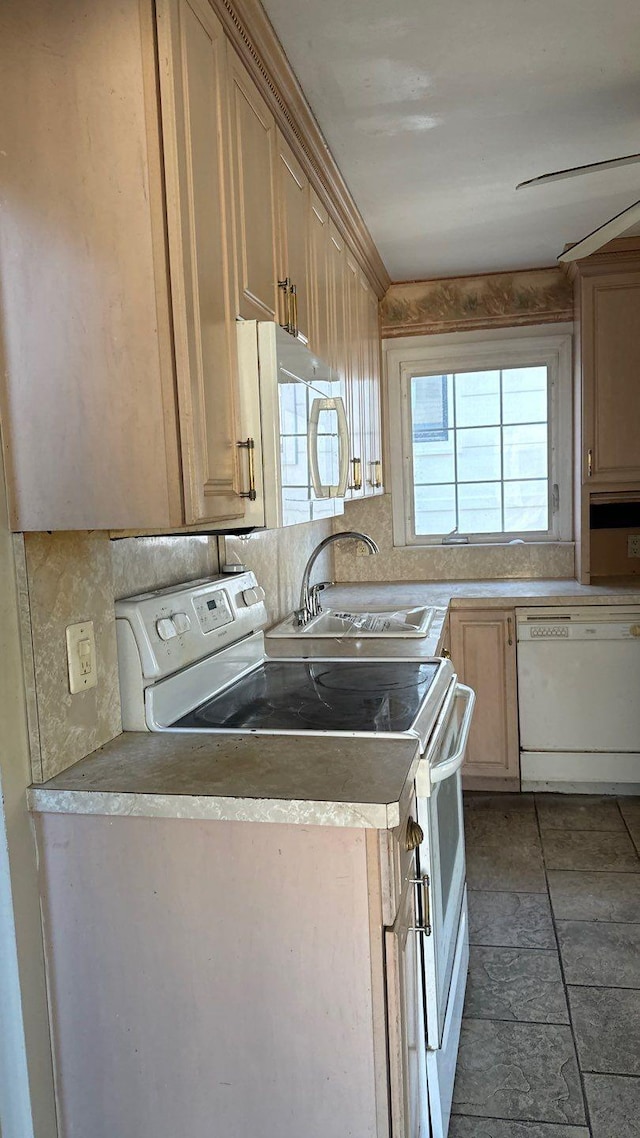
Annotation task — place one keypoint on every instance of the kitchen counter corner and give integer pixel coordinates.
(317, 780)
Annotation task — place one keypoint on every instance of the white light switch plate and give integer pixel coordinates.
(81, 657)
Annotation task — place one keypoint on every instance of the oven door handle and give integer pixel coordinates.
(445, 768)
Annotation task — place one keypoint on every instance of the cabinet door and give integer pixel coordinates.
(292, 192)
(483, 651)
(253, 143)
(355, 376)
(319, 275)
(372, 416)
(338, 325)
(406, 1027)
(611, 366)
(193, 79)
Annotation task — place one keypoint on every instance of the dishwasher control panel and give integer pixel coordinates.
(592, 622)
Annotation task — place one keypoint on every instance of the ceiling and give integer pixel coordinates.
(435, 109)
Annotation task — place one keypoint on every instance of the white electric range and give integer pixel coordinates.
(192, 659)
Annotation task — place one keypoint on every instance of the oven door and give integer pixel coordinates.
(441, 855)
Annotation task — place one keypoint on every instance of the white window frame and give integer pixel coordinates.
(478, 351)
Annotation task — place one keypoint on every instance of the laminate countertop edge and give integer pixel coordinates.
(326, 781)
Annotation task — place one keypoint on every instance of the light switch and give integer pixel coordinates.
(81, 657)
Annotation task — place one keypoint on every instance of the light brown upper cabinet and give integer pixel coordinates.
(254, 150)
(372, 394)
(86, 371)
(363, 386)
(355, 383)
(320, 336)
(194, 117)
(148, 201)
(292, 192)
(483, 651)
(609, 306)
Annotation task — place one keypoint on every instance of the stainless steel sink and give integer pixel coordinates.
(334, 623)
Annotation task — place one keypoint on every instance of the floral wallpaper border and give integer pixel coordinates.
(497, 300)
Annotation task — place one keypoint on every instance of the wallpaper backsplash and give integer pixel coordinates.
(64, 578)
(438, 562)
(68, 577)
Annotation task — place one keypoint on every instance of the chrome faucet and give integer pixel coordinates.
(310, 596)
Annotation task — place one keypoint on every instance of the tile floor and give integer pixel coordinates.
(550, 1043)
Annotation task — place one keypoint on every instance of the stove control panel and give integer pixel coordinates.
(160, 633)
(213, 610)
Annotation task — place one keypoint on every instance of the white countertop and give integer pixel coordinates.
(330, 781)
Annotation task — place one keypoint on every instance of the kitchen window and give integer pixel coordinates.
(480, 432)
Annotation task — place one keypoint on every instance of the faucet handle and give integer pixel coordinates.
(320, 586)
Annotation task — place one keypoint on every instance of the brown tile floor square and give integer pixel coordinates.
(589, 849)
(614, 1106)
(606, 1022)
(578, 812)
(593, 896)
(600, 954)
(522, 984)
(511, 920)
(525, 1071)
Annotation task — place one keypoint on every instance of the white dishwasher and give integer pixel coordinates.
(579, 698)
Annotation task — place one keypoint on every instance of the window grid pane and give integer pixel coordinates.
(476, 480)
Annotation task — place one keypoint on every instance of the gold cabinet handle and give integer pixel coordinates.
(589, 463)
(376, 474)
(446, 655)
(357, 474)
(250, 447)
(286, 286)
(414, 835)
(293, 292)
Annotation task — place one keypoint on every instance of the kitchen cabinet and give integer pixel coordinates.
(88, 399)
(254, 155)
(355, 377)
(194, 90)
(238, 971)
(483, 652)
(609, 298)
(372, 392)
(320, 319)
(607, 398)
(149, 199)
(364, 384)
(292, 191)
(407, 1050)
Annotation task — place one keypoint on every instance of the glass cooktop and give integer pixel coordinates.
(319, 695)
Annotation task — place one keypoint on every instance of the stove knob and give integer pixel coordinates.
(253, 596)
(181, 622)
(165, 628)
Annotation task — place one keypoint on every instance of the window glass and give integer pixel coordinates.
(480, 451)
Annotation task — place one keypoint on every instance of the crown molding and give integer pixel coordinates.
(615, 256)
(250, 31)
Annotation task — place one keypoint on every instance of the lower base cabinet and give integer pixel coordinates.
(231, 979)
(483, 652)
